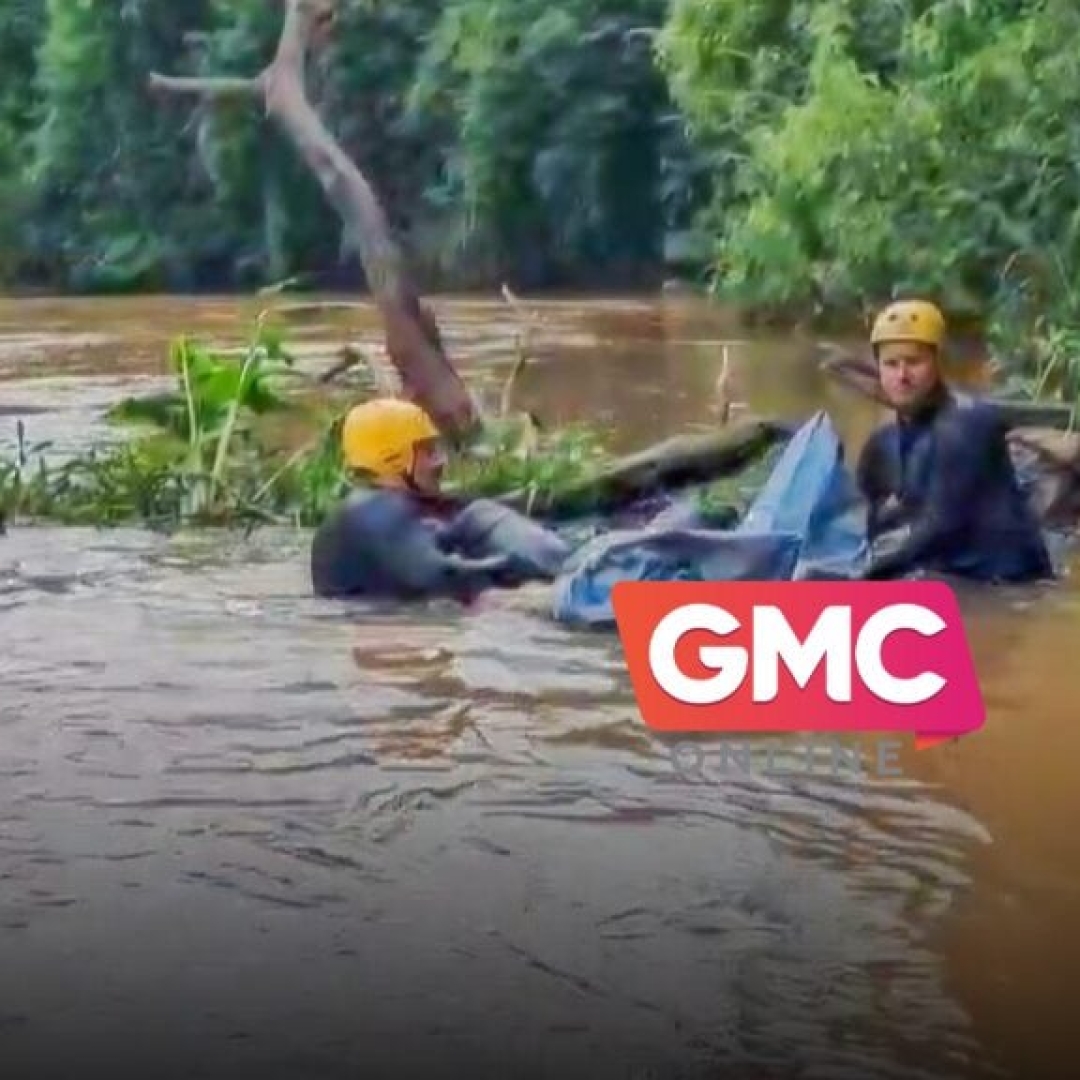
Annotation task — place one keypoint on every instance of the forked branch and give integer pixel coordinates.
(413, 341)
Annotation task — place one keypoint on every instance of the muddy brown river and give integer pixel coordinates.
(245, 831)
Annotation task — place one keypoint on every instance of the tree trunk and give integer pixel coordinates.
(413, 342)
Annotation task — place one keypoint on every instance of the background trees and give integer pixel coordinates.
(829, 151)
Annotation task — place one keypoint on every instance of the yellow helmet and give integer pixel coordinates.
(380, 436)
(909, 320)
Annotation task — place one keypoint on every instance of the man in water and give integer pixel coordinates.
(401, 538)
(942, 470)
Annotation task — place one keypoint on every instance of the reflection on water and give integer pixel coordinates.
(265, 831)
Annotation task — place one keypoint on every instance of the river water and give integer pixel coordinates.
(243, 829)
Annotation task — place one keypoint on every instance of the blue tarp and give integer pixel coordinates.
(812, 494)
(807, 521)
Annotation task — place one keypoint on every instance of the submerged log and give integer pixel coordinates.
(413, 341)
(666, 466)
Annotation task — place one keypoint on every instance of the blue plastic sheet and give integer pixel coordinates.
(582, 592)
(811, 493)
(807, 521)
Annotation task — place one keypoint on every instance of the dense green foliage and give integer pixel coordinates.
(864, 148)
(510, 139)
(833, 152)
(879, 146)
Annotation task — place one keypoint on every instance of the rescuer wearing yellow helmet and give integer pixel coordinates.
(940, 476)
(395, 443)
(907, 339)
(397, 536)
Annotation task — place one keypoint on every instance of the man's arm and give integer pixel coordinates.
(963, 452)
(406, 548)
(873, 484)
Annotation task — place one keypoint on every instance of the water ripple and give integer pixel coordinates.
(424, 802)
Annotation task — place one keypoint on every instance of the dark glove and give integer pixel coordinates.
(874, 571)
(499, 571)
(506, 573)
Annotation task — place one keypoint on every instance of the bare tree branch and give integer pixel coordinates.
(215, 87)
(412, 336)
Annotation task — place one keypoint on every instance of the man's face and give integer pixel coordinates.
(429, 462)
(908, 372)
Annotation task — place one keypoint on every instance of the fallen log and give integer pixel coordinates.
(1060, 449)
(1032, 414)
(855, 374)
(413, 342)
(1052, 459)
(666, 466)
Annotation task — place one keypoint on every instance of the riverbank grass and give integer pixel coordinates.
(241, 439)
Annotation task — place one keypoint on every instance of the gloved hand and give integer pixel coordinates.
(500, 571)
(506, 573)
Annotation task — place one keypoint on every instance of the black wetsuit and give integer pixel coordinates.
(394, 543)
(951, 480)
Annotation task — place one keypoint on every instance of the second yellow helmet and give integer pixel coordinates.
(910, 320)
(379, 437)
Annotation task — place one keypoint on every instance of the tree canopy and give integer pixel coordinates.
(831, 152)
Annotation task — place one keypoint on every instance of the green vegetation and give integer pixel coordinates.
(243, 439)
(198, 454)
(510, 140)
(862, 148)
(240, 440)
(840, 149)
(834, 152)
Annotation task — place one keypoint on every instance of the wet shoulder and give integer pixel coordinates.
(378, 509)
(972, 420)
